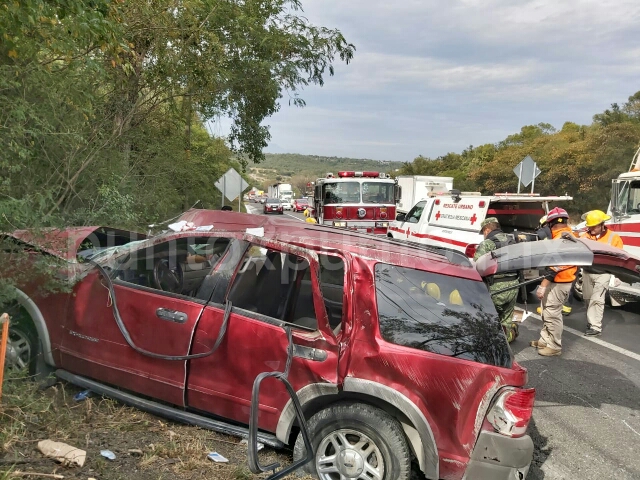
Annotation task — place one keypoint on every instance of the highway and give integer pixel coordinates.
(586, 422)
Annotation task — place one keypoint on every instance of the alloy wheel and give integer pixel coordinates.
(18, 350)
(349, 454)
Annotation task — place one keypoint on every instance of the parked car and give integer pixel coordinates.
(412, 364)
(300, 204)
(273, 205)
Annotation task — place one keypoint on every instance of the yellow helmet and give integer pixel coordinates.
(431, 289)
(455, 298)
(595, 217)
(310, 220)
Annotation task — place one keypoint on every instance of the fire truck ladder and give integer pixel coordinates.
(635, 163)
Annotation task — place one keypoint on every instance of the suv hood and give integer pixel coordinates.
(580, 252)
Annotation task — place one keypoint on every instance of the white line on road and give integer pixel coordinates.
(597, 341)
(293, 216)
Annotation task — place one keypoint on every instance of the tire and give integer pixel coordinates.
(577, 288)
(332, 429)
(23, 347)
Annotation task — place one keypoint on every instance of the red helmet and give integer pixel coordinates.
(557, 215)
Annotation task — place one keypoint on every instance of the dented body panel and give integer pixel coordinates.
(441, 401)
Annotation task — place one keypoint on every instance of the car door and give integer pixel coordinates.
(566, 251)
(411, 224)
(157, 292)
(273, 288)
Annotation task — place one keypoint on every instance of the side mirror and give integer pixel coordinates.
(397, 191)
(401, 216)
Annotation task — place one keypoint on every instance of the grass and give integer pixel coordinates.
(169, 450)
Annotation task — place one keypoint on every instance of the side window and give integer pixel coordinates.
(331, 286)
(415, 213)
(633, 205)
(176, 266)
(271, 283)
(439, 314)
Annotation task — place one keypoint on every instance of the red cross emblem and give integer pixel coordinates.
(473, 219)
(438, 215)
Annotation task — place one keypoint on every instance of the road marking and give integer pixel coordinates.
(293, 216)
(602, 343)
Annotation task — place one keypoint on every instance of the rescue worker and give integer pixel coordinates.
(544, 232)
(311, 220)
(505, 301)
(554, 290)
(595, 285)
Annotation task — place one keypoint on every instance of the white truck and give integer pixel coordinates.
(624, 210)
(282, 191)
(452, 220)
(416, 187)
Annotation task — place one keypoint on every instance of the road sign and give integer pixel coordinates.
(231, 184)
(526, 171)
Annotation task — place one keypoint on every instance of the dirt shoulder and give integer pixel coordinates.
(146, 447)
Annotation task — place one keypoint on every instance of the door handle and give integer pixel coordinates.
(171, 315)
(309, 353)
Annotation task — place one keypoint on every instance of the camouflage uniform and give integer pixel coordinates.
(504, 302)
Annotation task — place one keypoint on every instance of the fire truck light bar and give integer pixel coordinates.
(361, 174)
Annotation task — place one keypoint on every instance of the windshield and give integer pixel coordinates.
(516, 216)
(439, 314)
(273, 200)
(341, 192)
(376, 192)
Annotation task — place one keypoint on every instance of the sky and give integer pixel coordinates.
(435, 76)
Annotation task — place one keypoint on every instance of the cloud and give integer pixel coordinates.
(437, 76)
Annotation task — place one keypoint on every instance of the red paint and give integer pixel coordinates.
(449, 241)
(624, 227)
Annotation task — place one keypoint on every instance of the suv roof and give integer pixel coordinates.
(376, 248)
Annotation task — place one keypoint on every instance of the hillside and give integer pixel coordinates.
(299, 169)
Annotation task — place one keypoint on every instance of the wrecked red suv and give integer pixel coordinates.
(397, 354)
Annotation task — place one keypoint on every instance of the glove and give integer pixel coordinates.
(540, 292)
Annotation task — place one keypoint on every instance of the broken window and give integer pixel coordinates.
(176, 266)
(277, 285)
(415, 213)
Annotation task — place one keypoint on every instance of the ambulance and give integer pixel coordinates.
(452, 219)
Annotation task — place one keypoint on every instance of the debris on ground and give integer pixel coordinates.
(216, 457)
(108, 454)
(63, 453)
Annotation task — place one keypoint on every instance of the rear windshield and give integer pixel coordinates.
(439, 314)
(516, 216)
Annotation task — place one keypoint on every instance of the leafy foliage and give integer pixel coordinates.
(577, 160)
(103, 102)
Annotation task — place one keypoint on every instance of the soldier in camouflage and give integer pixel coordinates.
(504, 302)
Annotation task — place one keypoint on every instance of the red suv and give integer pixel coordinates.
(395, 351)
(300, 204)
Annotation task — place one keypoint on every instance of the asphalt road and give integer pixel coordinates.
(586, 421)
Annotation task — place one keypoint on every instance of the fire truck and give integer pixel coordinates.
(625, 212)
(363, 201)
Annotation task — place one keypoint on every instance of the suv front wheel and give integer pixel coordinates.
(356, 441)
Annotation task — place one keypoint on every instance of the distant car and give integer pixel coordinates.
(272, 205)
(286, 204)
(300, 204)
(263, 199)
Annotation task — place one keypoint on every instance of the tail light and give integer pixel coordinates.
(512, 410)
(470, 251)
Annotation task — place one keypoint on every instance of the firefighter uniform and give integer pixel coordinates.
(554, 291)
(505, 301)
(595, 285)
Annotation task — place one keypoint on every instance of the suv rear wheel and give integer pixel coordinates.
(356, 441)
